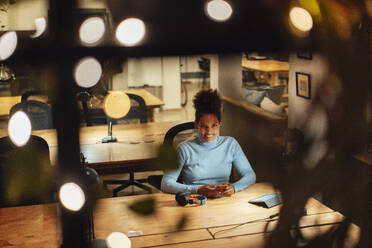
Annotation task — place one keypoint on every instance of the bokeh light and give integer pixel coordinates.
(118, 240)
(219, 10)
(8, 43)
(116, 104)
(71, 196)
(88, 72)
(92, 30)
(301, 19)
(130, 31)
(40, 24)
(19, 128)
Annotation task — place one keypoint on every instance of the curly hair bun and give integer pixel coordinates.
(207, 102)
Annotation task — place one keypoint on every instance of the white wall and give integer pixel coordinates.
(21, 15)
(171, 83)
(312, 123)
(214, 72)
(230, 74)
(298, 106)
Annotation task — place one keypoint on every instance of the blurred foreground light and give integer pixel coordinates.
(92, 30)
(118, 240)
(219, 10)
(71, 196)
(19, 128)
(301, 19)
(88, 72)
(40, 24)
(116, 104)
(130, 31)
(8, 43)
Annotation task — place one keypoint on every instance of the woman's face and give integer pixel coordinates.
(209, 127)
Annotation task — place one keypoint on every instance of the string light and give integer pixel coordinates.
(130, 31)
(118, 240)
(8, 43)
(301, 19)
(71, 196)
(19, 128)
(40, 24)
(92, 30)
(218, 10)
(88, 72)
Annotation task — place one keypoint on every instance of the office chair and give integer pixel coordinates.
(91, 116)
(169, 139)
(25, 173)
(136, 112)
(40, 113)
(29, 93)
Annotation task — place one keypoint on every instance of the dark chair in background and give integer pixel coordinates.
(138, 110)
(169, 139)
(96, 116)
(91, 116)
(25, 173)
(38, 93)
(40, 113)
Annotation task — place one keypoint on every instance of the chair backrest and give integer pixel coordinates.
(138, 110)
(40, 113)
(91, 116)
(25, 172)
(40, 93)
(172, 132)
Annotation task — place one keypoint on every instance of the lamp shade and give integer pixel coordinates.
(116, 104)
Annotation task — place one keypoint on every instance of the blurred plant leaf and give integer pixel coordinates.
(144, 207)
(182, 222)
(167, 157)
(28, 177)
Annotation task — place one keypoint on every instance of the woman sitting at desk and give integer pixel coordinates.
(206, 161)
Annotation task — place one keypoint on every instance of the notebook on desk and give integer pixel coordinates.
(268, 200)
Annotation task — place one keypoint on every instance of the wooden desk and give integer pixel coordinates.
(135, 150)
(267, 65)
(36, 226)
(274, 67)
(151, 101)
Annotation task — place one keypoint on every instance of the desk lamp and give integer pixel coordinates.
(116, 105)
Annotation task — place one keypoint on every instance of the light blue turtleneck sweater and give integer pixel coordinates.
(204, 162)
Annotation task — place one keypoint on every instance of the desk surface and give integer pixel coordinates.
(268, 65)
(6, 102)
(136, 143)
(37, 225)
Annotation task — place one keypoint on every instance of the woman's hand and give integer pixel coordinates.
(226, 189)
(209, 190)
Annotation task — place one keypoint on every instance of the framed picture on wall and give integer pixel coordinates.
(305, 54)
(303, 85)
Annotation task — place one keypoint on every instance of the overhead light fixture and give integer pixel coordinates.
(218, 10)
(301, 20)
(92, 30)
(19, 128)
(87, 72)
(72, 196)
(40, 24)
(118, 240)
(8, 43)
(130, 31)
